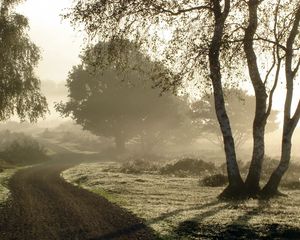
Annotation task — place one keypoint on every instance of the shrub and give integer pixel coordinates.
(25, 151)
(189, 166)
(216, 180)
(138, 166)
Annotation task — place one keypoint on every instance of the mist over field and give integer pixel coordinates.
(149, 120)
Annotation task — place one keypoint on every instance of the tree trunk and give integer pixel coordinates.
(258, 153)
(271, 188)
(289, 123)
(235, 187)
(259, 124)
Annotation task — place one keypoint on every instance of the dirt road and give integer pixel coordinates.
(45, 207)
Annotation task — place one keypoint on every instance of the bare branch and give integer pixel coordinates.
(295, 118)
(181, 11)
(271, 41)
(294, 72)
(273, 88)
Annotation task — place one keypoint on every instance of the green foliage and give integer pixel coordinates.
(188, 167)
(20, 89)
(118, 103)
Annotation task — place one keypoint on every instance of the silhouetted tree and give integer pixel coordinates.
(19, 88)
(240, 107)
(113, 97)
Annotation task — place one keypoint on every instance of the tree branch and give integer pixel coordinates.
(271, 41)
(181, 11)
(273, 88)
(296, 116)
(294, 72)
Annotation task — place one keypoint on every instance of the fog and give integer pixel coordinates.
(149, 120)
(59, 54)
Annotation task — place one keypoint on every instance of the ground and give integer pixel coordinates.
(179, 208)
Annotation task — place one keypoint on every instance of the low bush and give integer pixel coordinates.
(138, 166)
(189, 166)
(216, 180)
(23, 152)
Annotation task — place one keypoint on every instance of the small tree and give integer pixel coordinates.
(20, 89)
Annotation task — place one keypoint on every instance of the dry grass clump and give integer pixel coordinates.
(188, 167)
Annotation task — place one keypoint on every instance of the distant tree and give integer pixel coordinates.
(19, 88)
(113, 97)
(240, 107)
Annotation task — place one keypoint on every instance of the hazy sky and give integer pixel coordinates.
(60, 44)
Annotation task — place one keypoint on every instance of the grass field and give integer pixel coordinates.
(4, 177)
(179, 208)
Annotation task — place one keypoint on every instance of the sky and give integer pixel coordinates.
(60, 44)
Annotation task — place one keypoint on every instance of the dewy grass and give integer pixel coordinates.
(4, 177)
(166, 202)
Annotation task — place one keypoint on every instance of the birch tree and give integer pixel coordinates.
(287, 19)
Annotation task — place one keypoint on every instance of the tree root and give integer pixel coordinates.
(236, 192)
(268, 194)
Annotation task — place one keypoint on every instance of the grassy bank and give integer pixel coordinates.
(179, 208)
(5, 175)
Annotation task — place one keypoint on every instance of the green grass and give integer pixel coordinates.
(171, 204)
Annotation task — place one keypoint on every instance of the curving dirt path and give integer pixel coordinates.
(45, 207)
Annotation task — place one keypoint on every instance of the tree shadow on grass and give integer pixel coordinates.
(241, 229)
(128, 230)
(194, 228)
(248, 215)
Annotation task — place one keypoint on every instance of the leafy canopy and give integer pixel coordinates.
(113, 96)
(19, 88)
